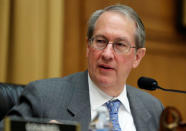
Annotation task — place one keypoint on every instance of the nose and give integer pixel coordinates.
(108, 53)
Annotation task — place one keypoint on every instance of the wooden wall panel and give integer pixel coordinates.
(166, 47)
(74, 37)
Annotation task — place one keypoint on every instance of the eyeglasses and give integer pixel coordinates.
(120, 46)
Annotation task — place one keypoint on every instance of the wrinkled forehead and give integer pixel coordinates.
(113, 19)
(123, 14)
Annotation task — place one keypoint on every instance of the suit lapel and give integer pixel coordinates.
(140, 114)
(79, 106)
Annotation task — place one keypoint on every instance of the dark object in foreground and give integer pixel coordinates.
(19, 124)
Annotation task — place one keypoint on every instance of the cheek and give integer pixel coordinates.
(93, 56)
(93, 53)
(125, 64)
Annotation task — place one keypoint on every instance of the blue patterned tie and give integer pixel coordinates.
(113, 107)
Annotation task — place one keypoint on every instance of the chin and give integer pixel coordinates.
(105, 82)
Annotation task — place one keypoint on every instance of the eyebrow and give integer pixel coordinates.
(117, 39)
(101, 36)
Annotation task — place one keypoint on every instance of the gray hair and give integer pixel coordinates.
(126, 11)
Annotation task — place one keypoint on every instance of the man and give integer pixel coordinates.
(115, 42)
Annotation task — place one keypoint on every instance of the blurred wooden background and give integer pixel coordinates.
(46, 38)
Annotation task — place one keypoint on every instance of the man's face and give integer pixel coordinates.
(107, 68)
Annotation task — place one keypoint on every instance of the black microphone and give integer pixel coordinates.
(151, 84)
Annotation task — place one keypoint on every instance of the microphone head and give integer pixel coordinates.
(147, 83)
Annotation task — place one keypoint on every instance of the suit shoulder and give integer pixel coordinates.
(53, 88)
(58, 81)
(143, 96)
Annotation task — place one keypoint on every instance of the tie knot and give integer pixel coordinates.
(113, 106)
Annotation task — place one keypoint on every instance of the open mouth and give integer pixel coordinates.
(105, 67)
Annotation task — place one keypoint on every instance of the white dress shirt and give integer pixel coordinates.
(98, 99)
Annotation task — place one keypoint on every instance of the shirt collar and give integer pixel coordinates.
(99, 98)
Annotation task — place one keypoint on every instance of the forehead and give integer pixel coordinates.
(113, 24)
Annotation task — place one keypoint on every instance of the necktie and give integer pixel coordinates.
(113, 107)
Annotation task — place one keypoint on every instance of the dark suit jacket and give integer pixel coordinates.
(68, 99)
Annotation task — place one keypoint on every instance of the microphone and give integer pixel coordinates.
(151, 84)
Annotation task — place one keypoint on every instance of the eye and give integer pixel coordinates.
(120, 44)
(100, 41)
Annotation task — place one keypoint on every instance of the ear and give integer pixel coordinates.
(139, 55)
(88, 46)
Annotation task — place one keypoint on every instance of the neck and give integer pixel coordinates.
(112, 91)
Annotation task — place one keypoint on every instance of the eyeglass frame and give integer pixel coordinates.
(113, 44)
